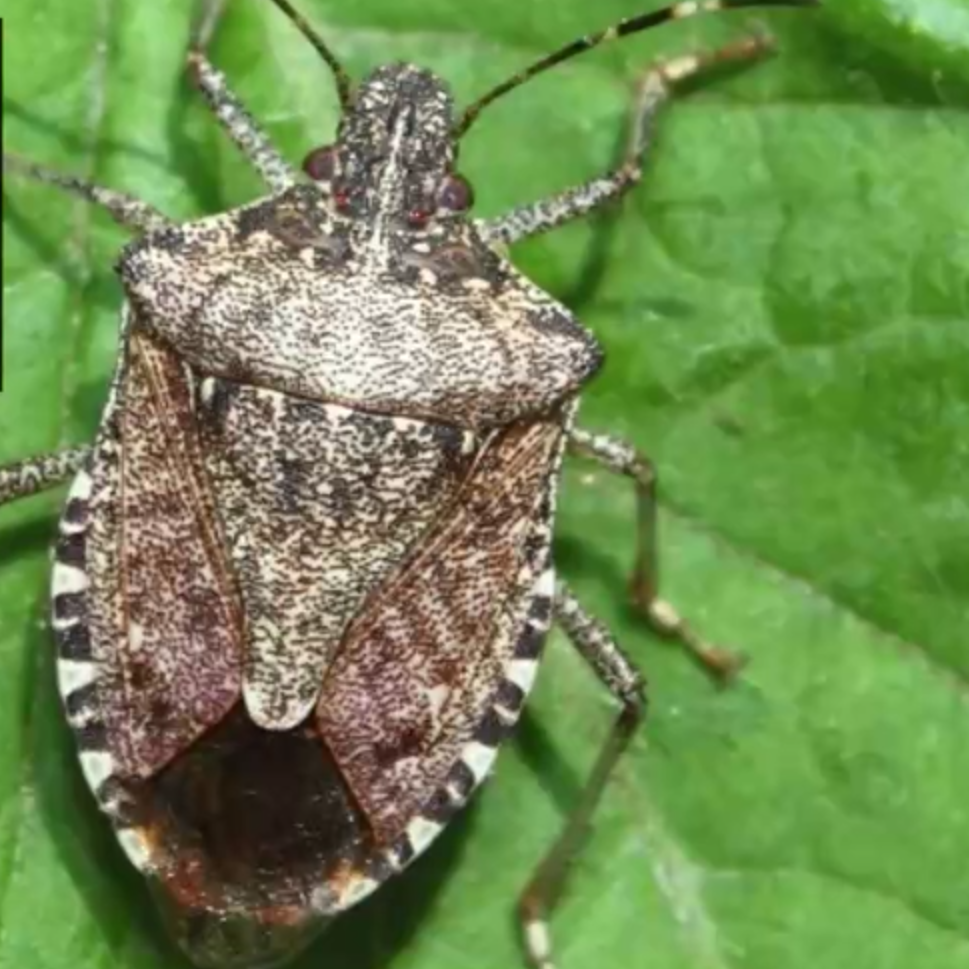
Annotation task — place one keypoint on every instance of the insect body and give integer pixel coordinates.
(303, 575)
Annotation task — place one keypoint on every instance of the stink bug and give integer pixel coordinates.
(303, 575)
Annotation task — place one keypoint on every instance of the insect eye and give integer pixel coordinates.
(321, 164)
(456, 194)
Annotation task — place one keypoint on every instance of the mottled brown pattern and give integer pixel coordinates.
(421, 664)
(301, 596)
(166, 621)
(320, 503)
(282, 294)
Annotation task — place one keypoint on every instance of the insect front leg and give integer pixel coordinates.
(44, 471)
(624, 459)
(230, 112)
(653, 90)
(126, 210)
(625, 682)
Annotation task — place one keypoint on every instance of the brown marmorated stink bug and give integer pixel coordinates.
(303, 575)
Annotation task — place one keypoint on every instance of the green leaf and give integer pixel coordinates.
(784, 302)
(930, 35)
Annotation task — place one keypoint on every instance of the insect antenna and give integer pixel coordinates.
(339, 74)
(631, 25)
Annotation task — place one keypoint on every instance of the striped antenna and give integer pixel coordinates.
(339, 74)
(632, 25)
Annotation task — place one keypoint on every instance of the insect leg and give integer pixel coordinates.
(624, 459)
(625, 682)
(126, 210)
(251, 140)
(27, 477)
(653, 90)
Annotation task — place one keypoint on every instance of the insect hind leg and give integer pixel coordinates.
(625, 682)
(126, 210)
(229, 110)
(624, 459)
(27, 477)
(654, 89)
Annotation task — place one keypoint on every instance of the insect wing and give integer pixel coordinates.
(422, 666)
(165, 619)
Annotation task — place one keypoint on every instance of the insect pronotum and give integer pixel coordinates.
(303, 575)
